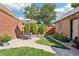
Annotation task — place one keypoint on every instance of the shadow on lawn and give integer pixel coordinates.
(57, 44)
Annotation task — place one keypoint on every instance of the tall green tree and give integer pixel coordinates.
(48, 13)
(74, 5)
(31, 12)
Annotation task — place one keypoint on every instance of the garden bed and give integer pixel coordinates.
(60, 37)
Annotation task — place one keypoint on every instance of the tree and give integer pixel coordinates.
(74, 5)
(48, 13)
(31, 12)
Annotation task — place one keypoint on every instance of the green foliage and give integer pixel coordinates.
(42, 28)
(31, 12)
(74, 5)
(46, 13)
(60, 37)
(27, 27)
(75, 41)
(5, 38)
(34, 28)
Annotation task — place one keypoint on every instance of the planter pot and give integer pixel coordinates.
(5, 44)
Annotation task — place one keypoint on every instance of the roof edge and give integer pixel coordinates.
(65, 16)
(7, 11)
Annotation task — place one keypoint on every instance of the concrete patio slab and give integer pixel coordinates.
(27, 43)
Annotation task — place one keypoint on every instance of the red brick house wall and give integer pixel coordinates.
(9, 24)
(64, 25)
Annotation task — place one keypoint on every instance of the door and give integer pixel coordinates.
(74, 28)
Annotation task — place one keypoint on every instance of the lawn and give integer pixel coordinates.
(25, 51)
(50, 42)
(44, 41)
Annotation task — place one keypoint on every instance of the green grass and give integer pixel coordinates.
(44, 41)
(24, 51)
(50, 42)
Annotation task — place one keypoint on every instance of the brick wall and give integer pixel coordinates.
(63, 26)
(8, 25)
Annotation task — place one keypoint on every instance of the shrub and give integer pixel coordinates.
(34, 28)
(5, 38)
(42, 28)
(60, 37)
(75, 41)
(27, 27)
(55, 36)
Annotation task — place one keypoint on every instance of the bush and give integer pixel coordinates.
(34, 28)
(27, 27)
(5, 38)
(76, 42)
(60, 37)
(42, 28)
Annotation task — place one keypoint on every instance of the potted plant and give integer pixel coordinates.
(5, 38)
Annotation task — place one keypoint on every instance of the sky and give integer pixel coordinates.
(18, 8)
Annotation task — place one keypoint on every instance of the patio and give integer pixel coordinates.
(27, 43)
(17, 43)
